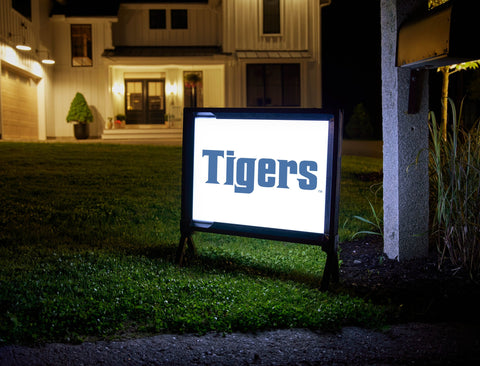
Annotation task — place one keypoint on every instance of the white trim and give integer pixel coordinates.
(83, 20)
(260, 21)
(274, 55)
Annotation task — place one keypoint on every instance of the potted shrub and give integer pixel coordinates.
(81, 115)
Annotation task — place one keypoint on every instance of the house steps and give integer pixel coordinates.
(144, 133)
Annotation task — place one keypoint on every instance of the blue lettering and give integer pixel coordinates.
(241, 172)
(212, 164)
(245, 175)
(230, 161)
(286, 165)
(266, 166)
(305, 169)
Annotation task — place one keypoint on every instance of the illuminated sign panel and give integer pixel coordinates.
(259, 172)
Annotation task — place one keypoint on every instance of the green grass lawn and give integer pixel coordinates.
(88, 234)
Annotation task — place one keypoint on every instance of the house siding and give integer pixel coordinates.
(299, 42)
(36, 33)
(233, 26)
(91, 81)
(243, 32)
(133, 27)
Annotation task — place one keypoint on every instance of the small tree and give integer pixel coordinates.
(446, 72)
(359, 125)
(79, 110)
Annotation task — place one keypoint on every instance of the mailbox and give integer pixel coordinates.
(445, 36)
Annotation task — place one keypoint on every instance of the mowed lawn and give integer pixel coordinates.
(88, 234)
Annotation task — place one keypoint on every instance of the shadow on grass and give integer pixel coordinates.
(202, 262)
(254, 269)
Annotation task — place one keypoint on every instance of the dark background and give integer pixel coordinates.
(351, 58)
(351, 47)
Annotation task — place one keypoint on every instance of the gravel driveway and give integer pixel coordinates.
(407, 344)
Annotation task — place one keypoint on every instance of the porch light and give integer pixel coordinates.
(23, 46)
(118, 88)
(47, 60)
(172, 88)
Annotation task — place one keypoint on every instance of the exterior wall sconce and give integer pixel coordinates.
(47, 60)
(118, 89)
(172, 89)
(21, 45)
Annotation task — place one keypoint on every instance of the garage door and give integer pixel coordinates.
(19, 105)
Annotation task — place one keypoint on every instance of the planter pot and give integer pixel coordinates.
(81, 131)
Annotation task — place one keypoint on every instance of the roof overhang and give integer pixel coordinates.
(273, 55)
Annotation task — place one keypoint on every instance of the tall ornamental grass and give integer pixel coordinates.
(455, 185)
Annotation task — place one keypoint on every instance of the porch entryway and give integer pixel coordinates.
(145, 101)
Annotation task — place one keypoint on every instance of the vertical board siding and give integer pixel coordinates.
(92, 84)
(214, 88)
(295, 23)
(133, 29)
(11, 29)
(91, 81)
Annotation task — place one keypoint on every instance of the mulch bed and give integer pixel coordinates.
(418, 289)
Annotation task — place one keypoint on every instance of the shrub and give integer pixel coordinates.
(359, 125)
(455, 180)
(79, 110)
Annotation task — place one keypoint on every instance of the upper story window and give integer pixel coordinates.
(158, 19)
(271, 16)
(81, 44)
(179, 18)
(24, 7)
(174, 19)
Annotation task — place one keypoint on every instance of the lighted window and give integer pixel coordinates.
(273, 85)
(158, 19)
(81, 45)
(271, 17)
(24, 7)
(179, 18)
(145, 101)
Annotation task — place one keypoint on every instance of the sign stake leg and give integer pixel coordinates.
(331, 271)
(186, 242)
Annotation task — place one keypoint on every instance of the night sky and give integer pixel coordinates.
(351, 57)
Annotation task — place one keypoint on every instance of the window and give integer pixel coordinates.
(273, 85)
(24, 7)
(179, 18)
(81, 45)
(158, 19)
(271, 17)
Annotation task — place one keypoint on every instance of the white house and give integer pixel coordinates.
(147, 60)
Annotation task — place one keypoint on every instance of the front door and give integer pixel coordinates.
(145, 101)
